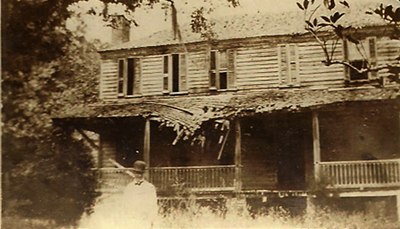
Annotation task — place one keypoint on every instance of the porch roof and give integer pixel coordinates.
(189, 112)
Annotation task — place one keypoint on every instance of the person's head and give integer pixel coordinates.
(138, 169)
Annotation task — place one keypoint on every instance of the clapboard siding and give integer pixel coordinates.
(108, 150)
(152, 75)
(197, 69)
(387, 51)
(256, 66)
(108, 79)
(313, 72)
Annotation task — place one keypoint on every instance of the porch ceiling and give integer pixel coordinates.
(189, 112)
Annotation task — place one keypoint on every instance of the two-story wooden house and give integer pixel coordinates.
(252, 113)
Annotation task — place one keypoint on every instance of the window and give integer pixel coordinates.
(129, 77)
(174, 73)
(288, 64)
(362, 55)
(222, 74)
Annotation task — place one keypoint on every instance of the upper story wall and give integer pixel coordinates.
(235, 65)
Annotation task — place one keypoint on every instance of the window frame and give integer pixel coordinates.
(215, 72)
(288, 79)
(370, 59)
(168, 77)
(123, 78)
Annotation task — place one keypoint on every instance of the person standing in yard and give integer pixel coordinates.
(140, 199)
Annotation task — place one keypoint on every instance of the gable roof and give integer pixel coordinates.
(252, 25)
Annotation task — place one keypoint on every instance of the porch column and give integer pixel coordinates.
(238, 156)
(316, 146)
(146, 146)
(398, 207)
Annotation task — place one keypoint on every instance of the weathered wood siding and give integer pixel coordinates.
(109, 79)
(387, 51)
(152, 75)
(364, 131)
(256, 67)
(313, 72)
(108, 150)
(197, 69)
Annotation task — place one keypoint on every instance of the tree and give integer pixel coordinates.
(326, 17)
(45, 66)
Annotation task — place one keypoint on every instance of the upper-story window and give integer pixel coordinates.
(222, 69)
(129, 77)
(288, 60)
(174, 73)
(360, 56)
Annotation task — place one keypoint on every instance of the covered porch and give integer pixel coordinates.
(274, 141)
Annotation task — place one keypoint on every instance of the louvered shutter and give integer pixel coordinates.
(346, 58)
(231, 68)
(372, 56)
(213, 69)
(183, 73)
(283, 64)
(138, 76)
(293, 66)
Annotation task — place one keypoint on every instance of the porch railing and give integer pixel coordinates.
(113, 179)
(172, 178)
(193, 177)
(360, 174)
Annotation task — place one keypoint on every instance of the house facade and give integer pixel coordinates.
(255, 116)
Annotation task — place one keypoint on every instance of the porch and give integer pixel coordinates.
(338, 174)
(361, 174)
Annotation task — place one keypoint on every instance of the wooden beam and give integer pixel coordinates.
(316, 146)
(146, 146)
(238, 156)
(90, 141)
(116, 164)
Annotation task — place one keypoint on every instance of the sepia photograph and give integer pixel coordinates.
(152, 114)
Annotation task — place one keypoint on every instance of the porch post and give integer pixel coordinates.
(146, 146)
(238, 156)
(100, 155)
(316, 146)
(398, 207)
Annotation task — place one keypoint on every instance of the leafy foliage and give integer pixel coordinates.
(318, 21)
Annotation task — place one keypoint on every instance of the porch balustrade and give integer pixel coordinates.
(173, 178)
(193, 177)
(361, 174)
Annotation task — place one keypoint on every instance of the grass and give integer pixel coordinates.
(194, 215)
(107, 216)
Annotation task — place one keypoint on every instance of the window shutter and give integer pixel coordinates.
(183, 73)
(138, 76)
(165, 75)
(121, 70)
(283, 64)
(213, 70)
(293, 67)
(231, 68)
(346, 58)
(372, 56)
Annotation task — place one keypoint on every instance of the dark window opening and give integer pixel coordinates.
(130, 76)
(354, 74)
(223, 80)
(175, 72)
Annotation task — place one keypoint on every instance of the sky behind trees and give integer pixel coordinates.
(152, 20)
